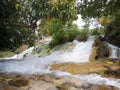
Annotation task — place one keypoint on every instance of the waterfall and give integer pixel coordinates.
(34, 64)
(114, 51)
(80, 53)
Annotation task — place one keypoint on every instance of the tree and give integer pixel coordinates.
(107, 9)
(18, 18)
(98, 8)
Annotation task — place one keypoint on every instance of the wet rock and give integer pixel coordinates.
(55, 83)
(93, 55)
(112, 71)
(19, 83)
(102, 87)
(80, 68)
(99, 50)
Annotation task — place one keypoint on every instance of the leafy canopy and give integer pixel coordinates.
(108, 11)
(18, 18)
(98, 8)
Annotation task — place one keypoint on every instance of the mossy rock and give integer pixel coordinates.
(44, 53)
(4, 54)
(80, 68)
(100, 49)
(93, 54)
(58, 47)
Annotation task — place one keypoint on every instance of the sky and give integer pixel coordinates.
(80, 23)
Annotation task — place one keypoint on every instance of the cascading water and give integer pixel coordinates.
(33, 64)
(114, 51)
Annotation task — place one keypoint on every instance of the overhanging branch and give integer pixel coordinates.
(15, 24)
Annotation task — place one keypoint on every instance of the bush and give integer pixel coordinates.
(96, 32)
(62, 33)
(71, 34)
(59, 38)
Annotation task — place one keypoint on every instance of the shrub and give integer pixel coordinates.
(62, 33)
(96, 31)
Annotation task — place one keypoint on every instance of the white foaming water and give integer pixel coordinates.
(20, 56)
(113, 50)
(97, 79)
(34, 64)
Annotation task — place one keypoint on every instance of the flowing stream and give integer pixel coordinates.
(80, 53)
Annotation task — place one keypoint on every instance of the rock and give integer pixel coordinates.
(40, 85)
(81, 37)
(102, 51)
(112, 71)
(22, 48)
(80, 68)
(99, 50)
(101, 87)
(19, 83)
(97, 41)
(52, 88)
(93, 55)
(55, 83)
(11, 88)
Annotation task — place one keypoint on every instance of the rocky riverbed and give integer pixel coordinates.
(47, 82)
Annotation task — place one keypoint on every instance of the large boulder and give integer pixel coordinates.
(80, 68)
(99, 49)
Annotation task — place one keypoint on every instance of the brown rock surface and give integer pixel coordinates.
(50, 82)
(80, 68)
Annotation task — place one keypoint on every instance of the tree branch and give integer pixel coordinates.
(15, 24)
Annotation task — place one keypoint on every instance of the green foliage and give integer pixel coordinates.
(113, 29)
(98, 8)
(62, 33)
(105, 20)
(108, 11)
(18, 19)
(55, 26)
(71, 35)
(59, 38)
(97, 31)
(58, 47)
